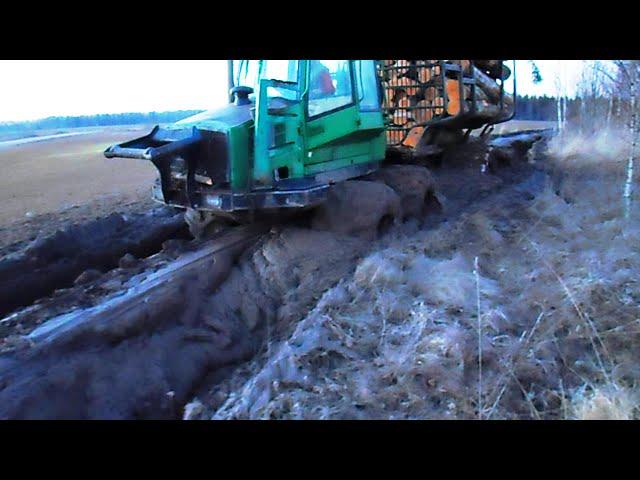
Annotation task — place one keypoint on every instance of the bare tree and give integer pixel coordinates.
(559, 94)
(607, 96)
(594, 97)
(628, 76)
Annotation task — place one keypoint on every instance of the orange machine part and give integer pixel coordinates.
(413, 137)
(453, 97)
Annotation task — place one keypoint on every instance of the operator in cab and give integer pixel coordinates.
(321, 83)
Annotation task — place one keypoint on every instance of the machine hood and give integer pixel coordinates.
(174, 138)
(217, 120)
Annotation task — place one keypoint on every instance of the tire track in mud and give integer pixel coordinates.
(150, 364)
(69, 363)
(55, 262)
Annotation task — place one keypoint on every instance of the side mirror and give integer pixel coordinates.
(241, 94)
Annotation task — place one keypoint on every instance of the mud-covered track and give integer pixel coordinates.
(148, 294)
(55, 262)
(146, 343)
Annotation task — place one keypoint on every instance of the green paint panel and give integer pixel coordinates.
(239, 155)
(332, 126)
(339, 163)
(371, 120)
(335, 152)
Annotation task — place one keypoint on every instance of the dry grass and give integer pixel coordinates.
(609, 402)
(605, 145)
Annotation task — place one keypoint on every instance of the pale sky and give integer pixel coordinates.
(32, 89)
(566, 71)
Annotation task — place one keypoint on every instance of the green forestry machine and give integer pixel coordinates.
(294, 128)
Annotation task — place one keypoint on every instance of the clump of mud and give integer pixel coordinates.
(525, 306)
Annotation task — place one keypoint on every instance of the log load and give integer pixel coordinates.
(490, 87)
(418, 94)
(493, 68)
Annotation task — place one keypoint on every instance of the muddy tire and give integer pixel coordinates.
(202, 224)
(414, 185)
(360, 208)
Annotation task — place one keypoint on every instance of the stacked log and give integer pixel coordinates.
(410, 87)
(417, 94)
(493, 68)
(490, 88)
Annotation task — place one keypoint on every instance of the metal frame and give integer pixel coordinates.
(291, 193)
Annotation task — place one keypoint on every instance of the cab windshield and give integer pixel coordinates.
(249, 72)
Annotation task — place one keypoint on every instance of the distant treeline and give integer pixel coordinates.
(100, 120)
(587, 108)
(536, 108)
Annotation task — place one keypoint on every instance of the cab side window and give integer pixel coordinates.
(329, 86)
(367, 82)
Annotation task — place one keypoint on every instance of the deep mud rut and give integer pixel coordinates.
(272, 305)
(54, 262)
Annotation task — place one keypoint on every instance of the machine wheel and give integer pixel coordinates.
(203, 224)
(413, 183)
(361, 208)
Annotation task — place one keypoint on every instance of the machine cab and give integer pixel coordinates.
(323, 85)
(315, 120)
